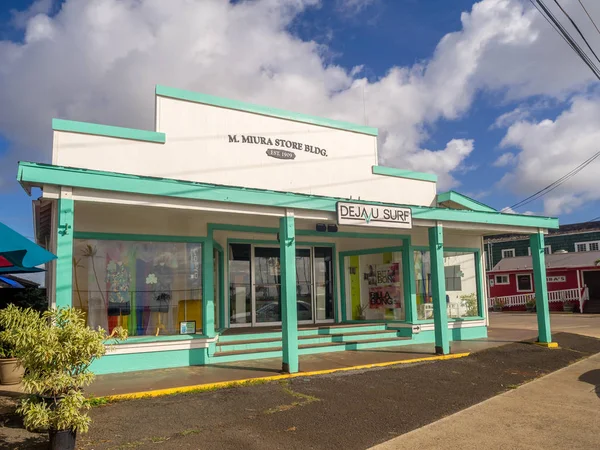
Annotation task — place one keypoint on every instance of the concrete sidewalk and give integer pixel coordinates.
(558, 411)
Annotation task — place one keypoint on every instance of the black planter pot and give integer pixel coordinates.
(62, 439)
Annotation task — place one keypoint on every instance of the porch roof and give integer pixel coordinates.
(553, 261)
(37, 175)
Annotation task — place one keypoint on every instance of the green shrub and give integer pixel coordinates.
(57, 348)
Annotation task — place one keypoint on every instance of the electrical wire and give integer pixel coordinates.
(556, 183)
(550, 18)
(578, 30)
(590, 17)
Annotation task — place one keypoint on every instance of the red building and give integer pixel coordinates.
(572, 278)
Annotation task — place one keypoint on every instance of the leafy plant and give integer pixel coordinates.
(360, 309)
(530, 302)
(499, 302)
(470, 302)
(6, 350)
(57, 348)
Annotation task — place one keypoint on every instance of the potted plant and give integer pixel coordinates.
(360, 311)
(57, 348)
(11, 369)
(530, 304)
(498, 305)
(568, 306)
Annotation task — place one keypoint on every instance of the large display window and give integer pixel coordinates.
(375, 284)
(460, 272)
(149, 288)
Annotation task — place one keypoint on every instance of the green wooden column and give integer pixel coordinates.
(208, 287)
(64, 251)
(438, 290)
(408, 272)
(289, 313)
(538, 259)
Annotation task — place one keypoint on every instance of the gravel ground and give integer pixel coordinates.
(350, 410)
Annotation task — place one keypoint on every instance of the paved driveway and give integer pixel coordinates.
(525, 324)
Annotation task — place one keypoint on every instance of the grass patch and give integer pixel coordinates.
(303, 399)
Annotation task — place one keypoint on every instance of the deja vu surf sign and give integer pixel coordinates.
(373, 216)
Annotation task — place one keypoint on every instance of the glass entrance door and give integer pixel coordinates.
(255, 284)
(267, 285)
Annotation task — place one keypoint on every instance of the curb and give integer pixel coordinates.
(259, 380)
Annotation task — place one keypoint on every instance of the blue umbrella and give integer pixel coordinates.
(20, 255)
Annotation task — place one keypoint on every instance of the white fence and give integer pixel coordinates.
(522, 299)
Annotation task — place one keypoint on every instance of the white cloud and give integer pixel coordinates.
(552, 148)
(505, 159)
(353, 6)
(98, 60)
(20, 18)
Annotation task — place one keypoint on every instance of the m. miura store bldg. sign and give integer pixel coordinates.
(373, 216)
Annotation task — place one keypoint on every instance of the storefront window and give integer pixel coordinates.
(149, 288)
(461, 284)
(376, 287)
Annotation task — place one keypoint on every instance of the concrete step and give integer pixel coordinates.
(306, 349)
(256, 334)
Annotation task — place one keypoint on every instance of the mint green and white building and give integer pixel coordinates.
(234, 231)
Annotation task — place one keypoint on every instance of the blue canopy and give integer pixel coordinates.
(20, 255)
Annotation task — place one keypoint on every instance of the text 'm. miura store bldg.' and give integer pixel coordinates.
(238, 232)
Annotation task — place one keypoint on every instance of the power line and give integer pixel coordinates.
(590, 17)
(556, 183)
(550, 18)
(578, 30)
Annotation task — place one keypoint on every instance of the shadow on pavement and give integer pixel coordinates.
(592, 377)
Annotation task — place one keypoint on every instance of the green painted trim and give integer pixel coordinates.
(64, 253)
(133, 362)
(35, 174)
(342, 265)
(480, 285)
(350, 234)
(96, 129)
(151, 338)
(371, 251)
(334, 258)
(220, 102)
(463, 200)
(461, 249)
(402, 173)
(538, 259)
(338, 234)
(450, 319)
(221, 273)
(409, 281)
(136, 237)
(208, 288)
(289, 313)
(438, 290)
(241, 228)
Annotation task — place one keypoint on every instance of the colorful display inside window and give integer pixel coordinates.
(461, 284)
(375, 286)
(149, 288)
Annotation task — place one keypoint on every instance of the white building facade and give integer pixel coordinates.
(235, 231)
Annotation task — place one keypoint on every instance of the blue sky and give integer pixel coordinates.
(438, 75)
